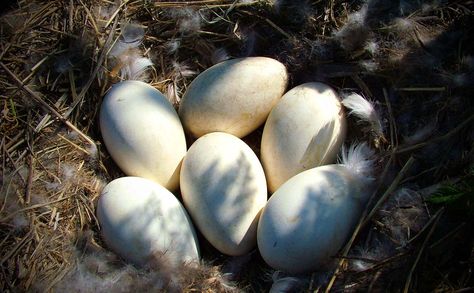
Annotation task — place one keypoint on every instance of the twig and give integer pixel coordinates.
(115, 13)
(63, 271)
(393, 127)
(74, 145)
(206, 3)
(436, 139)
(362, 85)
(382, 263)
(390, 189)
(468, 289)
(46, 106)
(19, 245)
(39, 205)
(30, 179)
(425, 227)
(91, 19)
(366, 216)
(279, 29)
(451, 233)
(437, 216)
(271, 23)
(421, 89)
(374, 279)
(96, 70)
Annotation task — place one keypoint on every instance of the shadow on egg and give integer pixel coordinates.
(305, 223)
(134, 237)
(233, 189)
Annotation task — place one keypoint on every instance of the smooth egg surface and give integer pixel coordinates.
(224, 189)
(304, 130)
(308, 219)
(140, 219)
(234, 96)
(143, 133)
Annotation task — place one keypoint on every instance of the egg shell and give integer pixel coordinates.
(309, 218)
(234, 96)
(139, 218)
(223, 188)
(304, 130)
(143, 133)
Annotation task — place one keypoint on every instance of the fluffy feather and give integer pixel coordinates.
(421, 133)
(369, 65)
(354, 34)
(188, 20)
(283, 284)
(172, 94)
(182, 70)
(358, 158)
(403, 215)
(219, 55)
(364, 110)
(365, 256)
(134, 67)
(172, 46)
(131, 37)
(132, 64)
(95, 269)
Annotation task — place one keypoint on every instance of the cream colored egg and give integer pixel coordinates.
(234, 96)
(309, 218)
(143, 133)
(140, 219)
(223, 188)
(304, 130)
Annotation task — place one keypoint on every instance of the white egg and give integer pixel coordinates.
(234, 96)
(142, 132)
(224, 189)
(304, 130)
(309, 218)
(140, 219)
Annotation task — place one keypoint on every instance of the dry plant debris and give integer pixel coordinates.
(414, 59)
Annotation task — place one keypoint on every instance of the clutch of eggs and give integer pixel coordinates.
(140, 219)
(143, 133)
(223, 184)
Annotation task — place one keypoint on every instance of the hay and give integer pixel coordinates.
(412, 58)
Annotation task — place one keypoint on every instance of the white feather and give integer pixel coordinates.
(182, 70)
(364, 110)
(130, 38)
(372, 47)
(134, 67)
(189, 20)
(369, 65)
(359, 16)
(358, 158)
(132, 33)
(172, 46)
(126, 50)
(172, 94)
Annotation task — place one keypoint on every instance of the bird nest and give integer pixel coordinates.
(413, 59)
